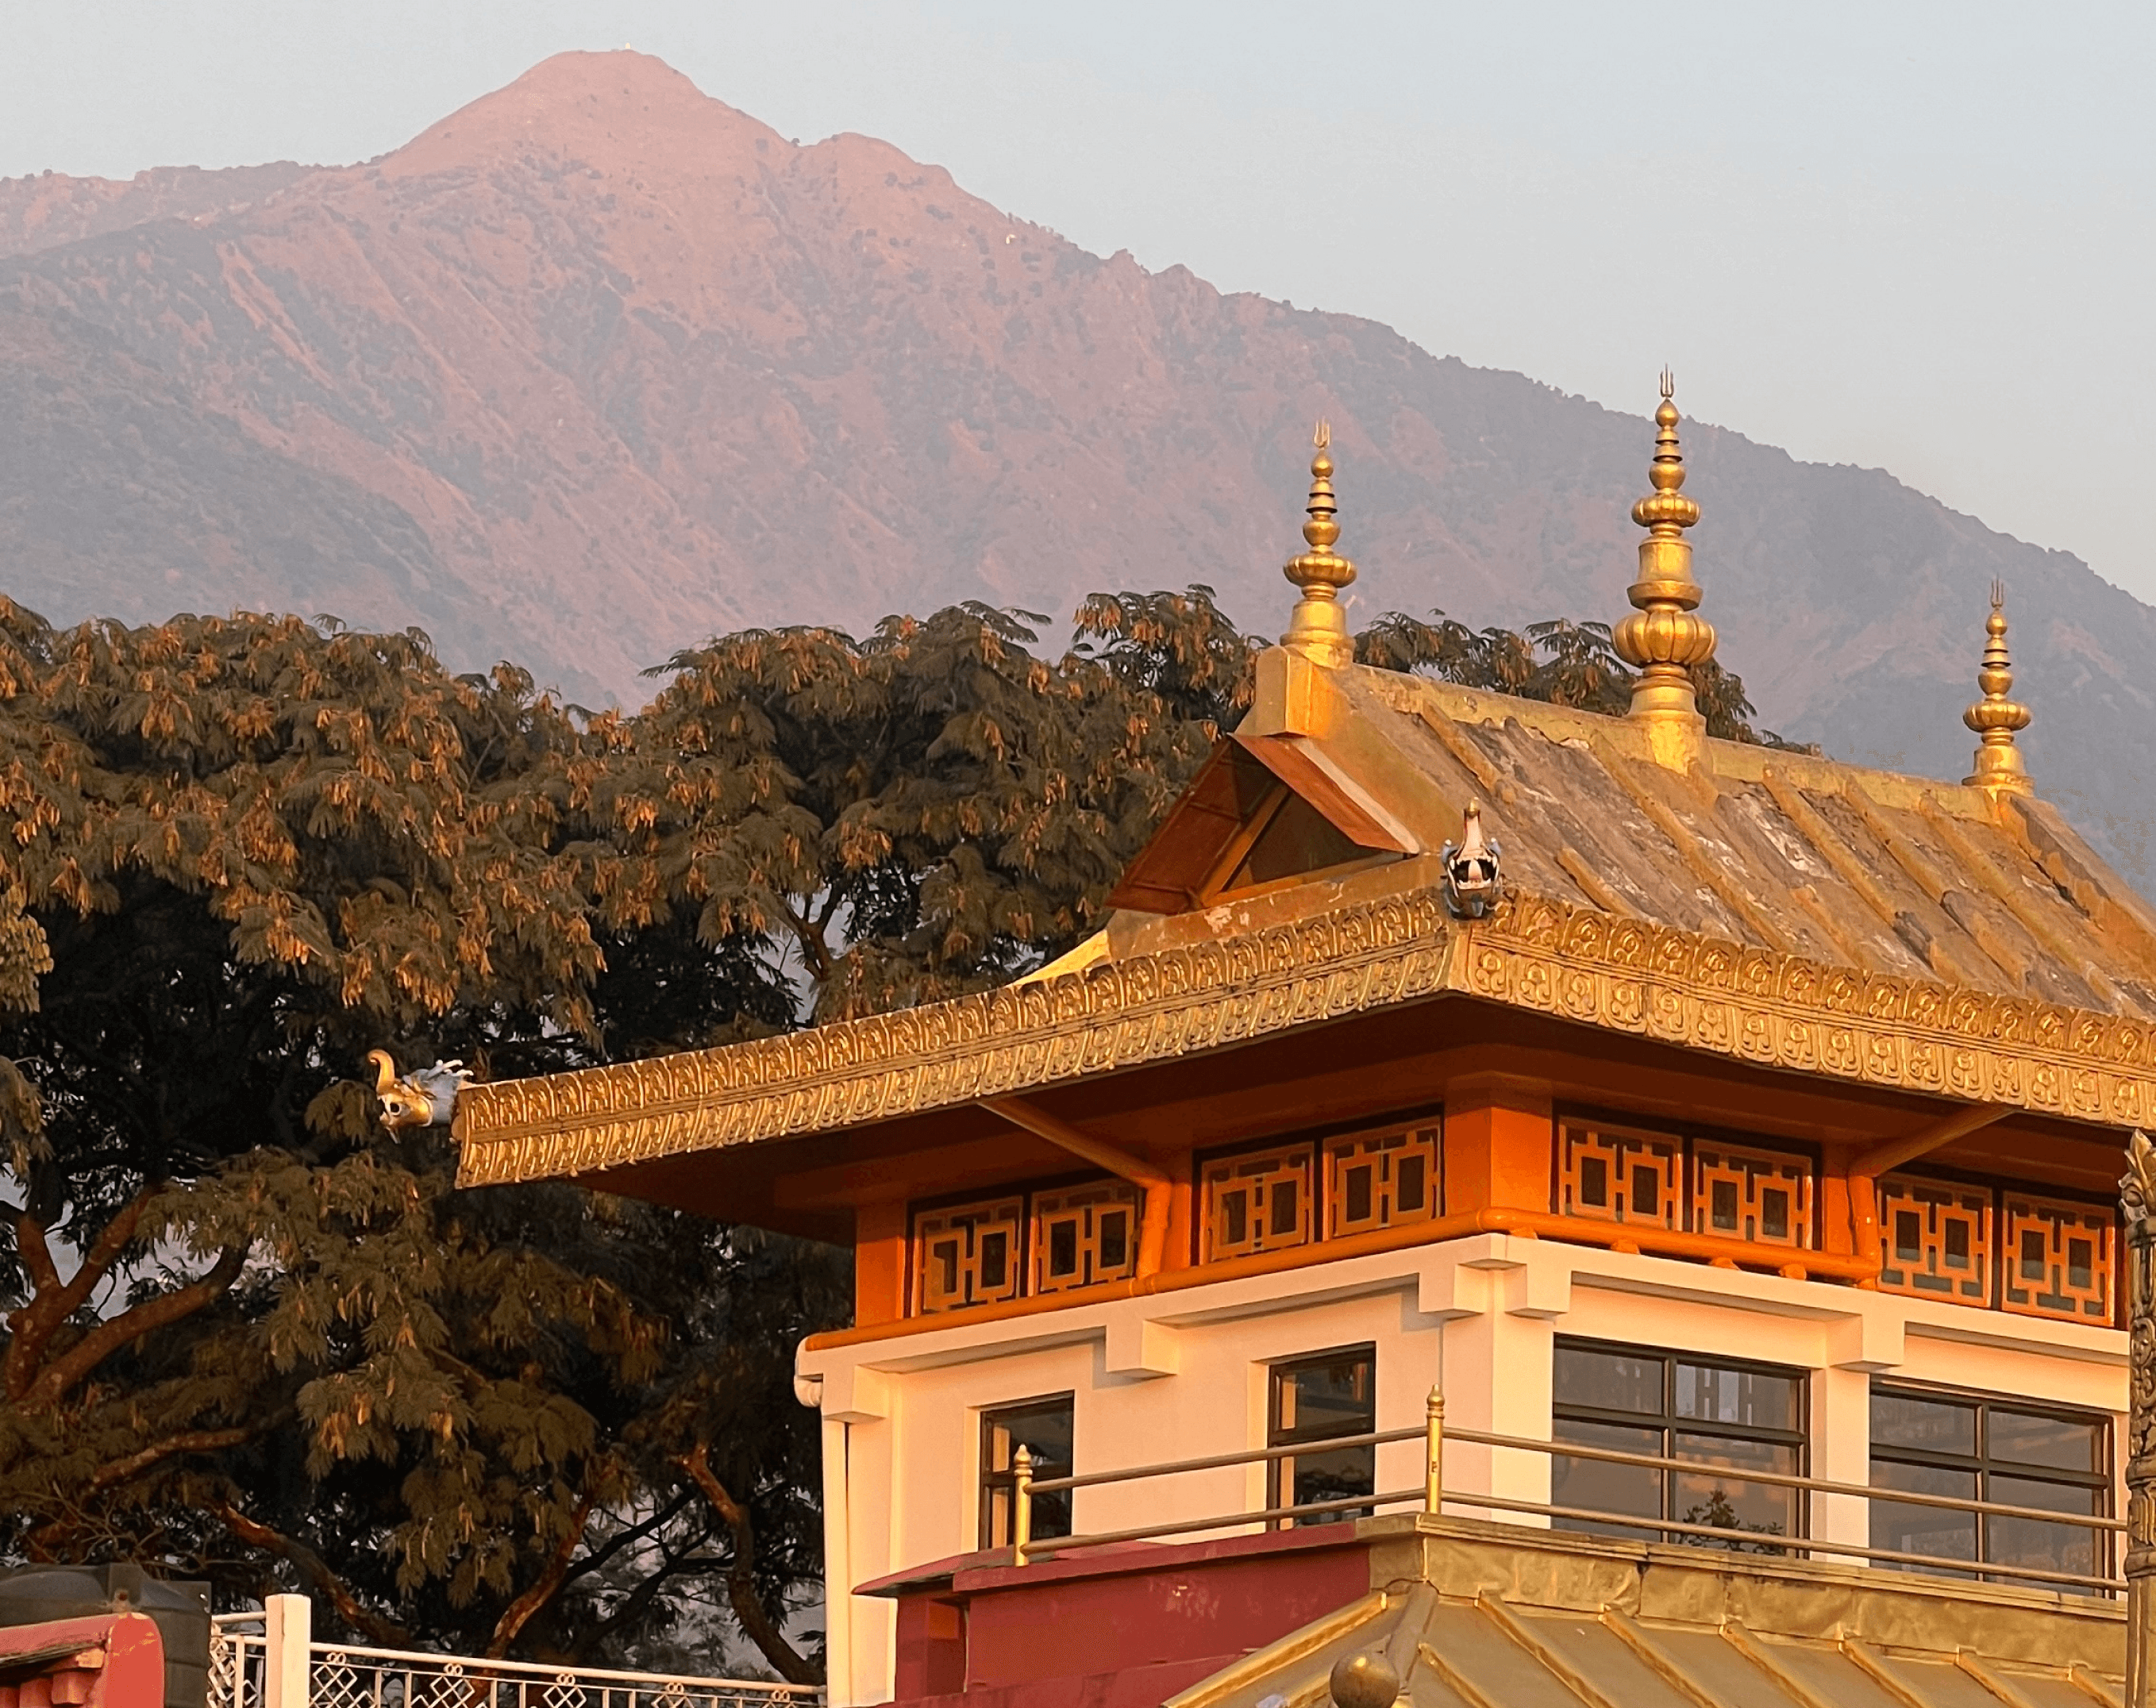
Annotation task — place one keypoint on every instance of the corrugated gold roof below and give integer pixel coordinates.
(1475, 1616)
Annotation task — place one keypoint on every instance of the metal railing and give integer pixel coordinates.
(1433, 1497)
(351, 1677)
(238, 1660)
(255, 1662)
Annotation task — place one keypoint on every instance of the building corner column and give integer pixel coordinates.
(2138, 1203)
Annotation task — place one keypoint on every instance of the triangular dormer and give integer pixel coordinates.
(1264, 811)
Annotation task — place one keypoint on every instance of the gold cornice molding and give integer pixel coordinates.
(1112, 1015)
(1782, 1011)
(1532, 953)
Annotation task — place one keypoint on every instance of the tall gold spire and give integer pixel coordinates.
(1663, 638)
(1996, 718)
(1318, 628)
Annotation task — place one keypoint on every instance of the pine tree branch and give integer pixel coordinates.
(749, 1611)
(64, 1372)
(311, 1567)
(518, 1613)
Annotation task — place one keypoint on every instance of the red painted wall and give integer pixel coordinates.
(1116, 1630)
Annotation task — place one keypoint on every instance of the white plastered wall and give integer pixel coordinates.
(1181, 1375)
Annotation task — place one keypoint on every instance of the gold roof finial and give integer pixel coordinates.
(1996, 718)
(1663, 638)
(1318, 628)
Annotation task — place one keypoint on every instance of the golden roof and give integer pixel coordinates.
(1770, 906)
(1482, 1616)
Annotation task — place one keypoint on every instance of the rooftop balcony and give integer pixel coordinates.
(1193, 1611)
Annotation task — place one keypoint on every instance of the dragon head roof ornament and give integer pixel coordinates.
(425, 1097)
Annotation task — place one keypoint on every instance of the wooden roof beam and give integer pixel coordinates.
(1152, 1182)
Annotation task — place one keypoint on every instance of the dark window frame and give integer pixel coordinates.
(1281, 1476)
(1051, 1513)
(1670, 1424)
(1984, 1465)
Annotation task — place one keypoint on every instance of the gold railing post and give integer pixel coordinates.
(1021, 1503)
(1433, 1492)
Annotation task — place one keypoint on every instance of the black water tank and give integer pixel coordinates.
(34, 1594)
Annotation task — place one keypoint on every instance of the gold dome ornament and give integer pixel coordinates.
(1364, 1680)
(1996, 718)
(1664, 638)
(1318, 628)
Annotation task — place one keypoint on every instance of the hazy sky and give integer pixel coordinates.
(1922, 237)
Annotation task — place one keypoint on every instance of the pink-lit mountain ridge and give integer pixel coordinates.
(598, 365)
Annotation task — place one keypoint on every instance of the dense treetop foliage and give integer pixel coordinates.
(254, 1337)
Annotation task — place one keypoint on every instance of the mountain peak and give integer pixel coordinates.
(619, 108)
(598, 366)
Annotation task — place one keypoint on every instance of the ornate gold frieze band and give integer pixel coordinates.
(1532, 953)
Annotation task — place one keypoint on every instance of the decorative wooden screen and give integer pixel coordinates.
(1938, 1238)
(1381, 1180)
(1613, 1174)
(1742, 1194)
(1085, 1233)
(968, 1254)
(2059, 1259)
(1258, 1202)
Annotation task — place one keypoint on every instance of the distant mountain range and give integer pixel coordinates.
(598, 365)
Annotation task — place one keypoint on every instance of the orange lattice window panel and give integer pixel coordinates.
(1258, 1202)
(1938, 1238)
(2059, 1259)
(1381, 1180)
(1742, 1194)
(1615, 1174)
(1085, 1233)
(968, 1254)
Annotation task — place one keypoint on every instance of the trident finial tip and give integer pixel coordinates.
(1669, 385)
(1321, 436)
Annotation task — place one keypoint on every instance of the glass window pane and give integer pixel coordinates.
(1936, 1425)
(2048, 1496)
(1598, 1486)
(1937, 1532)
(1333, 1475)
(2030, 1542)
(2073, 1444)
(1730, 1502)
(1751, 1398)
(1609, 1380)
(1336, 1396)
(1044, 1428)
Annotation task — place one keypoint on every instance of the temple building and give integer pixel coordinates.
(1551, 1206)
